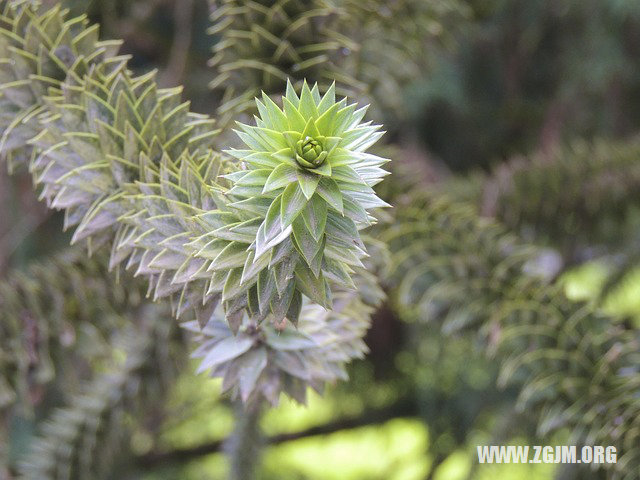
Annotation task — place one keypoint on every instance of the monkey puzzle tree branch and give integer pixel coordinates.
(577, 367)
(133, 169)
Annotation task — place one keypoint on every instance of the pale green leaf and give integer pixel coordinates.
(225, 350)
(329, 190)
(296, 121)
(328, 100)
(307, 105)
(308, 182)
(280, 177)
(304, 241)
(315, 216)
(292, 203)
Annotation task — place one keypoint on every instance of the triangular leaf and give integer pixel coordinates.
(304, 241)
(315, 216)
(292, 203)
(308, 182)
(280, 177)
(329, 190)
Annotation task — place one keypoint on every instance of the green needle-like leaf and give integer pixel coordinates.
(329, 190)
(292, 203)
(315, 216)
(308, 182)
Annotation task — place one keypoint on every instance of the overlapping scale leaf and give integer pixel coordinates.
(38, 49)
(128, 162)
(308, 182)
(575, 367)
(134, 171)
(131, 166)
(261, 361)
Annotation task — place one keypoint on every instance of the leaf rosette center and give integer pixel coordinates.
(310, 152)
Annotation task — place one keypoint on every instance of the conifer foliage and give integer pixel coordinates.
(134, 169)
(269, 239)
(265, 44)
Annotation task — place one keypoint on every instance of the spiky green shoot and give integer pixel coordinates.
(306, 165)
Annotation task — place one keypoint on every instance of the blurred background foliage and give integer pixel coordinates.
(491, 94)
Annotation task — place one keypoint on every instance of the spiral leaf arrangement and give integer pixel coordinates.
(576, 368)
(308, 173)
(85, 438)
(262, 360)
(37, 50)
(72, 306)
(134, 170)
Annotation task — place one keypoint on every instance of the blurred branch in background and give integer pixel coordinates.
(89, 437)
(405, 407)
(173, 73)
(22, 216)
(58, 333)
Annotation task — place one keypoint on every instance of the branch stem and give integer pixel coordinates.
(244, 446)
